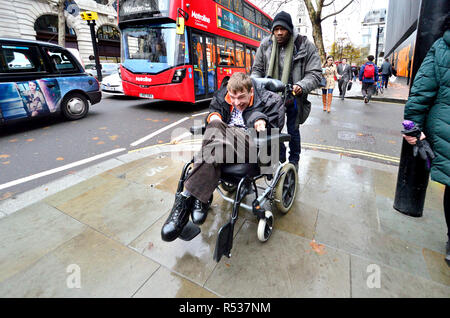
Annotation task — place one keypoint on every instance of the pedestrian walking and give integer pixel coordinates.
(291, 58)
(428, 106)
(345, 75)
(368, 76)
(386, 72)
(329, 71)
(354, 72)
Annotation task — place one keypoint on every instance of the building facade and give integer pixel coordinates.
(301, 21)
(374, 26)
(38, 20)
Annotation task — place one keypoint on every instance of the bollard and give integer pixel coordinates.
(412, 182)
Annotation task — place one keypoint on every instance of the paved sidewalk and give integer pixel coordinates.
(102, 234)
(397, 92)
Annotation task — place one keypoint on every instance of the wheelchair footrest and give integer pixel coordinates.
(190, 231)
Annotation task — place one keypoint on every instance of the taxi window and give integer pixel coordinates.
(60, 60)
(20, 58)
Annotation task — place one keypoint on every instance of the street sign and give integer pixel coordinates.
(89, 15)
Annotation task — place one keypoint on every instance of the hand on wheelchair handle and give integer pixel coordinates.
(297, 90)
(260, 125)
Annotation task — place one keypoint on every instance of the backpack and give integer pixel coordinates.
(369, 71)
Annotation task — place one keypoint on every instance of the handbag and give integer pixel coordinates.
(349, 86)
(323, 82)
(303, 109)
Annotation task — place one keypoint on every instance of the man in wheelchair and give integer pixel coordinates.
(235, 110)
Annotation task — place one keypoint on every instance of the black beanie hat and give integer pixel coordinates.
(283, 19)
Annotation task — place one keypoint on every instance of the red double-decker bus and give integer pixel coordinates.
(183, 50)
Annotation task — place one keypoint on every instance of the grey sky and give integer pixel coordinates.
(348, 22)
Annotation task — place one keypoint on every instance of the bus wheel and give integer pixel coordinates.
(74, 106)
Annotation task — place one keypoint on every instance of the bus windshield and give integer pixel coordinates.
(153, 48)
(139, 9)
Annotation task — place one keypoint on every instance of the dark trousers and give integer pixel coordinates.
(368, 89)
(294, 131)
(236, 146)
(342, 85)
(447, 209)
(384, 80)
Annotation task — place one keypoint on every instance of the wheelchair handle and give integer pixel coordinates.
(270, 84)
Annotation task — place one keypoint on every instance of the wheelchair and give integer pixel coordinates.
(238, 180)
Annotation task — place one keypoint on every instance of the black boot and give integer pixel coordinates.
(178, 218)
(200, 211)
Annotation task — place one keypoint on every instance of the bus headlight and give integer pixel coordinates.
(179, 75)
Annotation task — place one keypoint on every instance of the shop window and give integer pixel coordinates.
(49, 24)
(108, 33)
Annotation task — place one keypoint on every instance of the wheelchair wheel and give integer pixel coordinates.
(228, 187)
(286, 189)
(265, 227)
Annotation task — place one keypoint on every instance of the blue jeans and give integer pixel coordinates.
(385, 80)
(294, 143)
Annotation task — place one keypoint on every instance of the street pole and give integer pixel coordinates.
(90, 17)
(61, 24)
(378, 41)
(98, 66)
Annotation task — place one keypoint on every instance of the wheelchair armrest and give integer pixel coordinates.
(264, 146)
(198, 130)
(267, 140)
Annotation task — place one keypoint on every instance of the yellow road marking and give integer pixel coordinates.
(305, 144)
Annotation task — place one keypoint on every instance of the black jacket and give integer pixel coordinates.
(266, 105)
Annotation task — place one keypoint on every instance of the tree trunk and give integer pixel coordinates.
(318, 40)
(61, 24)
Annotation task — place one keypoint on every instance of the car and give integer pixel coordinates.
(107, 69)
(112, 84)
(39, 78)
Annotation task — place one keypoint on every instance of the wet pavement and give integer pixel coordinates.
(99, 236)
(397, 92)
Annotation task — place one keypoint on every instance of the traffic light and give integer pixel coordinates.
(89, 15)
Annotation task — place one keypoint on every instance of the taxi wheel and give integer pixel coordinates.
(74, 106)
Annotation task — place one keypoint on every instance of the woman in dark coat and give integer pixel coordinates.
(428, 107)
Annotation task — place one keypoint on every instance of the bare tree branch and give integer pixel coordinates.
(326, 5)
(337, 12)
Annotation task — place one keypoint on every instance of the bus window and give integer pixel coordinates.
(249, 12)
(199, 68)
(248, 61)
(238, 7)
(258, 18)
(225, 51)
(226, 3)
(253, 55)
(240, 55)
(210, 64)
(266, 23)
